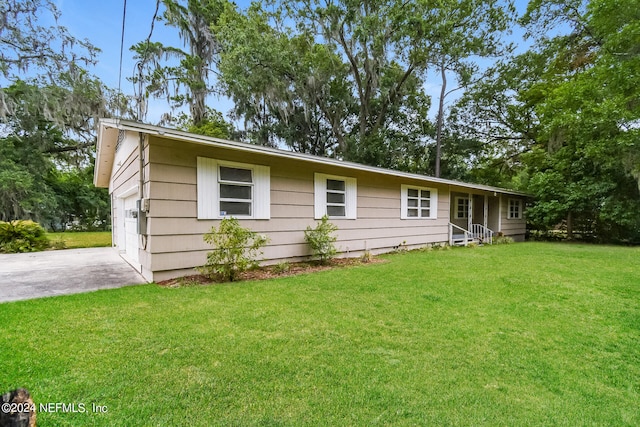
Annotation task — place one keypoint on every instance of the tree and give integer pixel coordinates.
(49, 53)
(590, 115)
(352, 72)
(567, 110)
(287, 88)
(499, 112)
(45, 175)
(193, 22)
(213, 124)
(48, 110)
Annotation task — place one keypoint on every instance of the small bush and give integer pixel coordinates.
(321, 239)
(235, 250)
(366, 257)
(282, 267)
(502, 240)
(22, 236)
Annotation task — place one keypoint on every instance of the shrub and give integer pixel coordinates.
(321, 239)
(235, 250)
(366, 257)
(402, 247)
(282, 267)
(22, 236)
(502, 240)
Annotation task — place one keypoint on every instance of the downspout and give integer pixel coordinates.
(500, 214)
(141, 159)
(141, 188)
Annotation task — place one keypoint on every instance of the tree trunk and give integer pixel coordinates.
(440, 120)
(569, 226)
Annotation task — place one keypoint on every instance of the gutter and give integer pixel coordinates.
(257, 149)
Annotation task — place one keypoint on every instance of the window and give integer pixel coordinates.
(462, 207)
(232, 189)
(335, 196)
(515, 209)
(236, 191)
(418, 202)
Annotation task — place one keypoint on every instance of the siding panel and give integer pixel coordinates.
(176, 233)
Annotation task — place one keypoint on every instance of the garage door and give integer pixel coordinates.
(131, 229)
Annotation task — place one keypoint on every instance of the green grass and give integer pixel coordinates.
(512, 335)
(81, 239)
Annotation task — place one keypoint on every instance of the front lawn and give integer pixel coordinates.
(524, 334)
(79, 239)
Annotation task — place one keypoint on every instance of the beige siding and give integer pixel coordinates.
(460, 222)
(175, 233)
(125, 178)
(514, 228)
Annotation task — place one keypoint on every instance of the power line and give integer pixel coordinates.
(124, 18)
(140, 66)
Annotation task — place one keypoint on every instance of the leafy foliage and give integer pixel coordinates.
(43, 172)
(22, 236)
(48, 110)
(213, 124)
(235, 249)
(345, 79)
(321, 239)
(187, 81)
(561, 120)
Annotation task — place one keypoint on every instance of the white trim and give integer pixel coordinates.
(470, 212)
(485, 212)
(466, 211)
(519, 203)
(207, 188)
(128, 192)
(500, 213)
(209, 194)
(262, 192)
(404, 202)
(105, 150)
(320, 196)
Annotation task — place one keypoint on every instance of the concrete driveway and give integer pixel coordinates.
(69, 271)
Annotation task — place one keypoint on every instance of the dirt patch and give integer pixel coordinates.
(271, 271)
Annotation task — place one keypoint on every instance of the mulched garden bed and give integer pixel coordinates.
(271, 271)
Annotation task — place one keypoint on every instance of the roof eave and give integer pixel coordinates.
(107, 152)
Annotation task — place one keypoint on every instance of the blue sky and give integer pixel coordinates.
(101, 23)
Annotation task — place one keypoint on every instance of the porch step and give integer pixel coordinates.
(461, 242)
(458, 240)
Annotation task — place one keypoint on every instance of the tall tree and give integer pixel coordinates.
(590, 116)
(44, 55)
(187, 82)
(288, 88)
(37, 154)
(48, 107)
(372, 104)
(564, 117)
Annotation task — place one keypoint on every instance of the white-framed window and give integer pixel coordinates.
(236, 190)
(233, 189)
(515, 209)
(335, 196)
(418, 202)
(462, 207)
